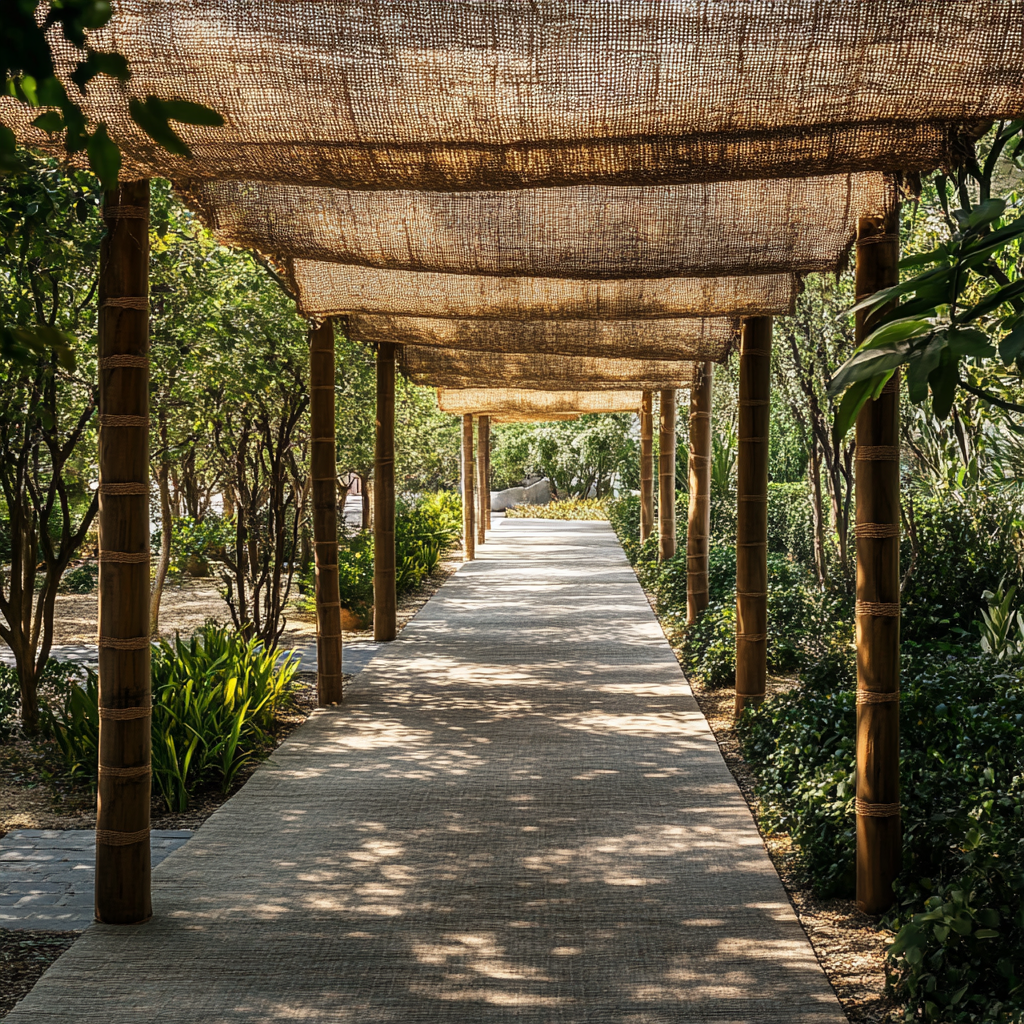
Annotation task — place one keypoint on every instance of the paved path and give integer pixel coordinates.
(46, 876)
(518, 814)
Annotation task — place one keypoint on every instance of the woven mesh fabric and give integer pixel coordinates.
(636, 339)
(525, 417)
(534, 403)
(593, 232)
(333, 289)
(461, 368)
(473, 94)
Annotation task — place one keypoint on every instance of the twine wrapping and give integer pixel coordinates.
(133, 488)
(755, 401)
(878, 453)
(126, 773)
(124, 361)
(866, 810)
(876, 239)
(109, 837)
(877, 531)
(752, 637)
(127, 302)
(125, 557)
(125, 714)
(107, 420)
(332, 438)
(700, 415)
(125, 213)
(754, 497)
(751, 593)
(871, 697)
(892, 385)
(131, 643)
(887, 608)
(754, 352)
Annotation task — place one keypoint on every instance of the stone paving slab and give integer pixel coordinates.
(533, 823)
(46, 876)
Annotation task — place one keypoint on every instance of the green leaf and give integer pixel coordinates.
(970, 343)
(192, 113)
(51, 121)
(986, 933)
(153, 120)
(853, 401)
(895, 331)
(943, 380)
(994, 300)
(112, 64)
(867, 363)
(986, 212)
(104, 157)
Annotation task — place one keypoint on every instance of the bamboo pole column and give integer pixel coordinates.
(468, 519)
(667, 476)
(385, 601)
(698, 526)
(324, 473)
(487, 476)
(646, 466)
(483, 495)
(125, 697)
(752, 512)
(879, 833)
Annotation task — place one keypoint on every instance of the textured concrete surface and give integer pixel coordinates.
(46, 876)
(519, 814)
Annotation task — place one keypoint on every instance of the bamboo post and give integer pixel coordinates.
(667, 476)
(324, 473)
(468, 524)
(385, 601)
(125, 698)
(646, 466)
(752, 512)
(483, 497)
(487, 476)
(698, 526)
(879, 832)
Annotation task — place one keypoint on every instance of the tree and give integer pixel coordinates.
(49, 251)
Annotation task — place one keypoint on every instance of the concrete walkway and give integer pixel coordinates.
(519, 814)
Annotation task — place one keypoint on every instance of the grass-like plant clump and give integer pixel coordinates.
(567, 508)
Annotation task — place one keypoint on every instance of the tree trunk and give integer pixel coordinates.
(879, 833)
(123, 794)
(385, 600)
(166, 528)
(483, 496)
(752, 512)
(468, 524)
(817, 511)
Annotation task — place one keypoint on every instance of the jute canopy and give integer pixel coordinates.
(471, 94)
(521, 402)
(460, 368)
(635, 339)
(330, 289)
(590, 232)
(513, 417)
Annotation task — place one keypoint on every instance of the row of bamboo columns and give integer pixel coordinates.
(125, 697)
(475, 482)
(877, 532)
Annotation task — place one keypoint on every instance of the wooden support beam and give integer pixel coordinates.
(698, 525)
(468, 519)
(487, 476)
(752, 512)
(483, 497)
(125, 697)
(646, 466)
(879, 833)
(385, 601)
(667, 476)
(324, 473)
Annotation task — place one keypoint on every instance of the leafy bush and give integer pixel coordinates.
(959, 955)
(215, 698)
(790, 530)
(567, 508)
(55, 682)
(80, 580)
(195, 541)
(709, 645)
(965, 549)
